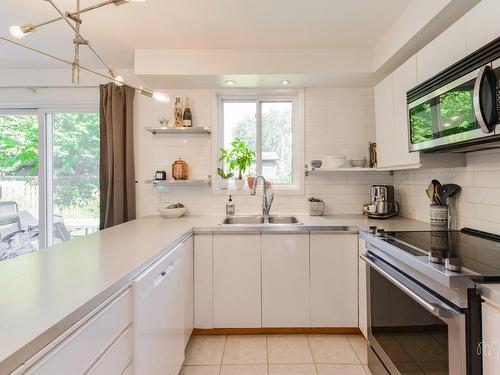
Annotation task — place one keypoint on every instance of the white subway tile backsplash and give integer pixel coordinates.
(477, 205)
(487, 178)
(337, 121)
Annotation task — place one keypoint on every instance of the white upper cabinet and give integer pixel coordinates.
(285, 280)
(334, 280)
(445, 50)
(384, 123)
(482, 24)
(236, 280)
(404, 78)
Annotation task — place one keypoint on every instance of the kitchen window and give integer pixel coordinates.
(270, 124)
(49, 177)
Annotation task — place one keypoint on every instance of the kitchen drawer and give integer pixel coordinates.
(77, 353)
(116, 357)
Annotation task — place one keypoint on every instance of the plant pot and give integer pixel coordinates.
(316, 208)
(250, 181)
(239, 184)
(224, 183)
(439, 216)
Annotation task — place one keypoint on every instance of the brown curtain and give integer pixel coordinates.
(117, 175)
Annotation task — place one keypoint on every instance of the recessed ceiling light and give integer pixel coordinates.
(230, 82)
(285, 82)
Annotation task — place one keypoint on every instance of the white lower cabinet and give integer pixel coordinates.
(203, 281)
(236, 280)
(116, 358)
(334, 280)
(362, 295)
(490, 347)
(188, 286)
(285, 280)
(104, 336)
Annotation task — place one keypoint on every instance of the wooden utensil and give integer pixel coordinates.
(437, 191)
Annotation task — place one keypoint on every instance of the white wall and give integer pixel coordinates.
(478, 205)
(337, 121)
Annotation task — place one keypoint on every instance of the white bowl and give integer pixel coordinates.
(334, 161)
(358, 162)
(170, 212)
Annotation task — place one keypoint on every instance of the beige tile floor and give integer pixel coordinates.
(276, 355)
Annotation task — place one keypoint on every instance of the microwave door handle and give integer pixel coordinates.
(436, 310)
(482, 75)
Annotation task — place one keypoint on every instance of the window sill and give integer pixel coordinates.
(282, 190)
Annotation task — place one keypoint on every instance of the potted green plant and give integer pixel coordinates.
(224, 182)
(240, 157)
(316, 206)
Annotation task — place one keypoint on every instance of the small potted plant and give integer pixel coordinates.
(224, 182)
(316, 206)
(239, 157)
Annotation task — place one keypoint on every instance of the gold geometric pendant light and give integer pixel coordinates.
(74, 21)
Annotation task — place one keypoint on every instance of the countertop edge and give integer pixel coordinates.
(34, 346)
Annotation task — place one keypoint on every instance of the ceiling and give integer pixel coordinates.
(115, 31)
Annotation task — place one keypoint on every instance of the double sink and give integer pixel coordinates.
(259, 219)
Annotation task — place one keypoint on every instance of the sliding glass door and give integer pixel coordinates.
(49, 177)
(19, 182)
(75, 174)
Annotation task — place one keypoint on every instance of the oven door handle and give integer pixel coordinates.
(435, 309)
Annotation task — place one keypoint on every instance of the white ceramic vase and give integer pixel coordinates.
(239, 184)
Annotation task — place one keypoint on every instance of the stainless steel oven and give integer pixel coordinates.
(411, 329)
(459, 113)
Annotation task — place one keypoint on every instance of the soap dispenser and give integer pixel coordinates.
(230, 207)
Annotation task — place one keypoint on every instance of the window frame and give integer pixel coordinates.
(44, 112)
(259, 97)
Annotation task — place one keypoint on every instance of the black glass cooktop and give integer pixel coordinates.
(478, 252)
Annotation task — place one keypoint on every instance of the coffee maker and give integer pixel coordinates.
(382, 197)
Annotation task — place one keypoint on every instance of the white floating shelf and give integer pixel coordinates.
(346, 169)
(183, 130)
(166, 183)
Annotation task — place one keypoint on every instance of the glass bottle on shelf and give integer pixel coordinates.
(178, 112)
(187, 117)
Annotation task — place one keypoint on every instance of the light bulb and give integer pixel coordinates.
(230, 82)
(20, 32)
(118, 78)
(161, 97)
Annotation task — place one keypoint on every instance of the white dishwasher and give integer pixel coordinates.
(159, 317)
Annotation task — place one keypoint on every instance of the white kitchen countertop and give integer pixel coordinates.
(44, 293)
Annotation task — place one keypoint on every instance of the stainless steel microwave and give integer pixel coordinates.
(462, 114)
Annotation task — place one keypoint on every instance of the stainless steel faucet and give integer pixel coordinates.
(266, 202)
